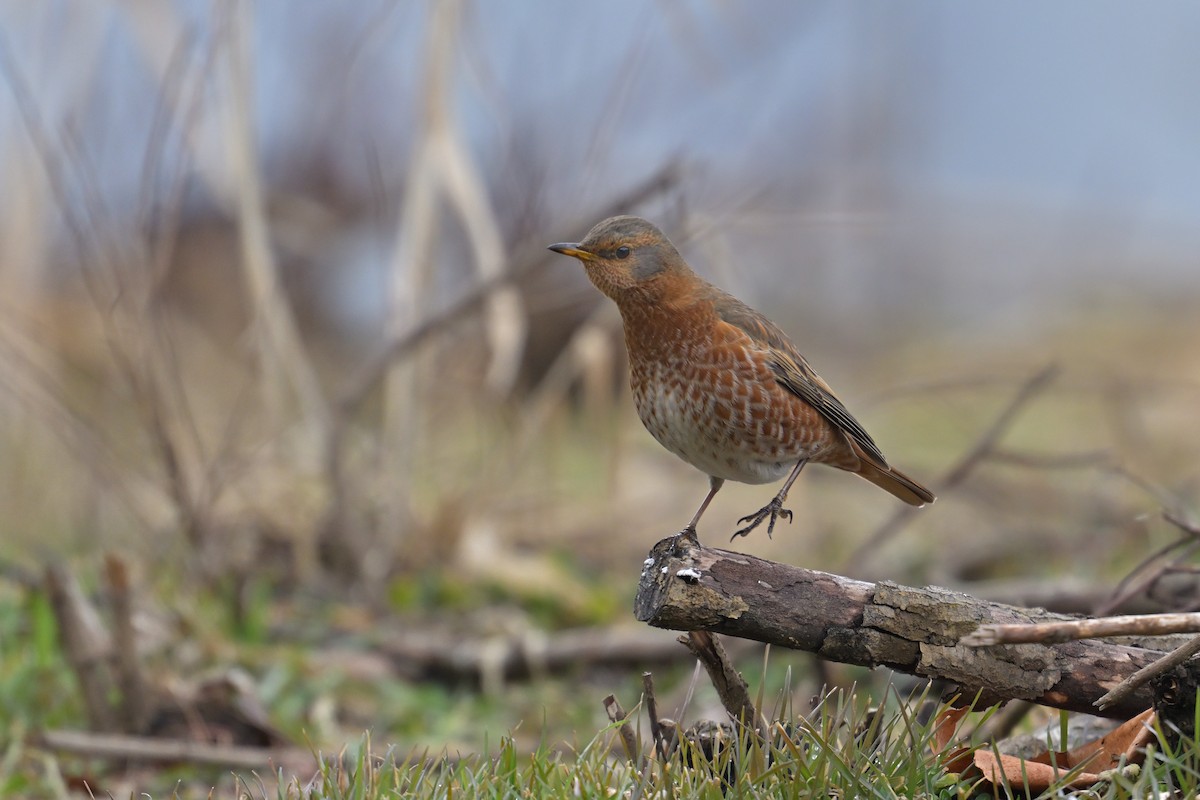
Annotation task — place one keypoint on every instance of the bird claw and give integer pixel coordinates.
(773, 509)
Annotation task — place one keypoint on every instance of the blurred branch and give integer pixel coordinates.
(1050, 461)
(134, 698)
(24, 375)
(85, 644)
(147, 748)
(442, 168)
(983, 448)
(524, 261)
(1142, 578)
(419, 655)
(401, 344)
(281, 352)
(138, 343)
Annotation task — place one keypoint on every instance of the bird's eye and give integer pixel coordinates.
(623, 251)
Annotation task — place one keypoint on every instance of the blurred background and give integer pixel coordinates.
(280, 331)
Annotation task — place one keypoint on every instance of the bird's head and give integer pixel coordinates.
(628, 259)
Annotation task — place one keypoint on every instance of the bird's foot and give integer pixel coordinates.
(774, 510)
(687, 535)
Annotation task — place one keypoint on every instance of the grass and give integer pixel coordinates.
(856, 743)
(135, 415)
(840, 751)
(843, 749)
(278, 630)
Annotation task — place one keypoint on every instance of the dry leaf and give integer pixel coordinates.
(1123, 745)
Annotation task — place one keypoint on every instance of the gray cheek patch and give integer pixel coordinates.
(648, 264)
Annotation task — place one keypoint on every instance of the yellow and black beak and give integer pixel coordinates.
(572, 249)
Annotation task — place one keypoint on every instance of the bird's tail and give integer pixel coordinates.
(894, 481)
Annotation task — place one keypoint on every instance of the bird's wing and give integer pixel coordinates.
(794, 373)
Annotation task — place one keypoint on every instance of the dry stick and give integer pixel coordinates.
(84, 642)
(1127, 687)
(1045, 632)
(612, 707)
(688, 587)
(730, 685)
(656, 730)
(1187, 526)
(147, 748)
(282, 356)
(1128, 588)
(442, 656)
(982, 448)
(134, 698)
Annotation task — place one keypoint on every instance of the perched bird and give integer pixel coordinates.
(717, 383)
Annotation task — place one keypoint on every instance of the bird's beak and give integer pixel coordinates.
(571, 249)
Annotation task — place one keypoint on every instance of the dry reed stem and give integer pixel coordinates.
(281, 352)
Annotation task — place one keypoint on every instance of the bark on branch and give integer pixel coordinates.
(685, 586)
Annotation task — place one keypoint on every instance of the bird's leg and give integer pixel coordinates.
(715, 485)
(773, 509)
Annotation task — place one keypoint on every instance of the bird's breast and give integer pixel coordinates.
(717, 405)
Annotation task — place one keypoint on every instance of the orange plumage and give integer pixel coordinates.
(717, 383)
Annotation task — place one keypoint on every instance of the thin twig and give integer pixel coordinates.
(1186, 525)
(1050, 461)
(1145, 577)
(656, 730)
(1127, 687)
(1049, 632)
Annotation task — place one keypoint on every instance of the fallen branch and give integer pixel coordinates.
(688, 587)
(448, 658)
(146, 748)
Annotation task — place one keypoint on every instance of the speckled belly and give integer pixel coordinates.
(727, 417)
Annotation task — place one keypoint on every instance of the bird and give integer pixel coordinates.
(717, 383)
